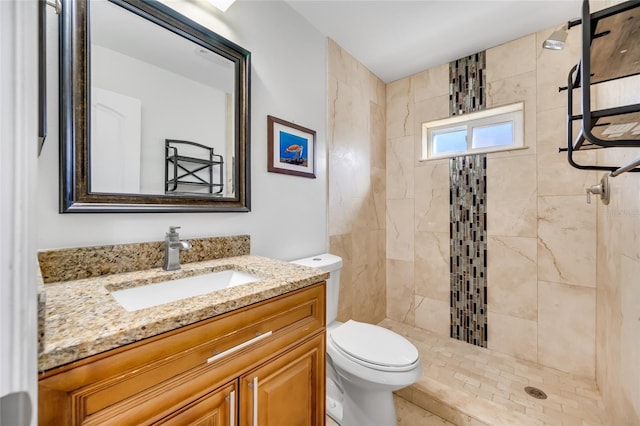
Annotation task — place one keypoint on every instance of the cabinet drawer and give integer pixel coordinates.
(143, 382)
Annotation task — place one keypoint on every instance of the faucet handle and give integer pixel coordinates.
(601, 189)
(172, 230)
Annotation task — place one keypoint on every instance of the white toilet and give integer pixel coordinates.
(365, 362)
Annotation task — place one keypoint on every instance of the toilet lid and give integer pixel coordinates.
(374, 345)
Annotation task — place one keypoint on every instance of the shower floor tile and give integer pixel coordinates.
(470, 385)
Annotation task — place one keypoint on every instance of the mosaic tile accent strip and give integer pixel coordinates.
(467, 79)
(468, 264)
(468, 239)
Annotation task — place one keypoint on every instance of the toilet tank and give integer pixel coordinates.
(332, 264)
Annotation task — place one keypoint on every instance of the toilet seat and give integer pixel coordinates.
(374, 347)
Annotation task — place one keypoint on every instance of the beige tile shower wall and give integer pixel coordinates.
(618, 280)
(541, 232)
(357, 184)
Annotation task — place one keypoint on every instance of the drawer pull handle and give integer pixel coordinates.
(238, 347)
(232, 408)
(255, 401)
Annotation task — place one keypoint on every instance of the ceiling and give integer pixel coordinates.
(395, 39)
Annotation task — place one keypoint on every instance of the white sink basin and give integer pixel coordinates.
(146, 296)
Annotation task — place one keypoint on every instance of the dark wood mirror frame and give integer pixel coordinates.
(75, 85)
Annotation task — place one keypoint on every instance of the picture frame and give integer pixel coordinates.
(291, 149)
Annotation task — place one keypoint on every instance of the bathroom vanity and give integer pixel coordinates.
(247, 355)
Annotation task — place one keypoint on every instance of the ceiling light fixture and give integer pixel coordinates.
(556, 40)
(223, 5)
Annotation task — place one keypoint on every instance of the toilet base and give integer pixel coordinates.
(355, 408)
(367, 408)
(334, 401)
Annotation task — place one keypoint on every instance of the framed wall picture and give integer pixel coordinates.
(291, 148)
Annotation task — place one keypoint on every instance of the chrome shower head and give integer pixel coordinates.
(556, 40)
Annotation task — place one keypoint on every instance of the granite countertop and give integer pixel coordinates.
(83, 319)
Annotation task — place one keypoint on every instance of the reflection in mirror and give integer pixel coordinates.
(185, 91)
(167, 124)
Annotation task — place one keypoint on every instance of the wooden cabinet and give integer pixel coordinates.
(286, 390)
(216, 408)
(205, 373)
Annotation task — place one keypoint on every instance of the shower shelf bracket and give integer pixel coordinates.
(610, 51)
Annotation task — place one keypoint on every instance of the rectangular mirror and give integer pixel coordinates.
(154, 111)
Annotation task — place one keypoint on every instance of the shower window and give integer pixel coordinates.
(496, 129)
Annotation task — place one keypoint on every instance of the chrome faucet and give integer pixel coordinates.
(172, 247)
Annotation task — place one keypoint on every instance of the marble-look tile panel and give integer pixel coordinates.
(433, 315)
(400, 109)
(350, 138)
(349, 182)
(566, 327)
(344, 67)
(332, 97)
(85, 262)
(379, 194)
(614, 93)
(555, 175)
(343, 147)
(511, 196)
(368, 276)
(341, 245)
(509, 90)
(627, 370)
(432, 276)
(400, 168)
(364, 217)
(622, 215)
(511, 58)
(432, 196)
(512, 335)
(357, 184)
(426, 111)
(400, 291)
(431, 83)
(567, 240)
(341, 213)
(553, 68)
(512, 272)
(378, 139)
(377, 91)
(618, 292)
(341, 64)
(400, 228)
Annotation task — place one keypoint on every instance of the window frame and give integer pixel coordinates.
(513, 113)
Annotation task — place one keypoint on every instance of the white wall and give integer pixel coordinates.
(288, 80)
(171, 104)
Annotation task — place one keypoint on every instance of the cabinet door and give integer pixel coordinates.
(217, 408)
(288, 390)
